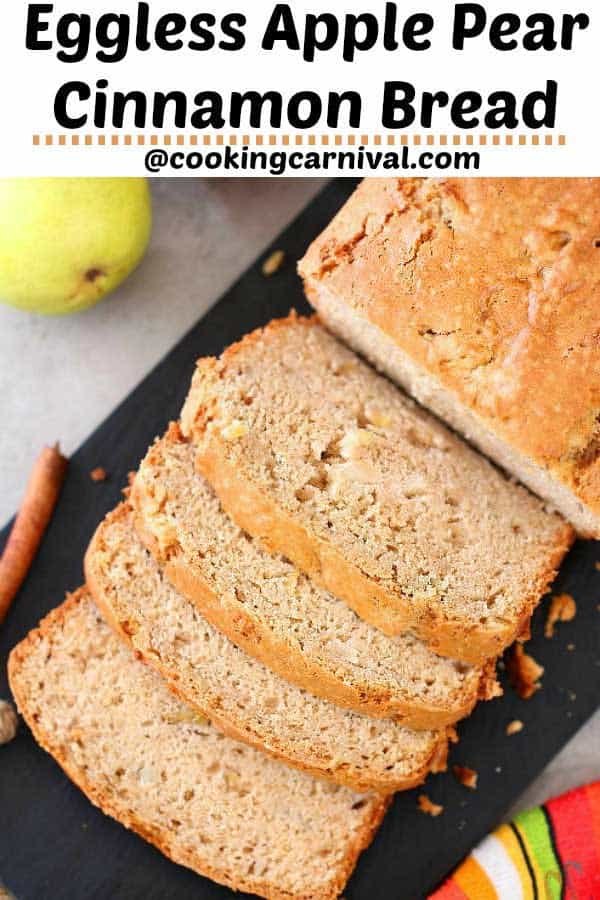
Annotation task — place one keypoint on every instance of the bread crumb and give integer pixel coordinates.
(273, 263)
(234, 430)
(98, 474)
(514, 727)
(467, 777)
(597, 565)
(562, 609)
(524, 672)
(428, 807)
(8, 722)
(570, 647)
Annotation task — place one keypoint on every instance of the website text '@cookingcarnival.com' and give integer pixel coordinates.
(282, 162)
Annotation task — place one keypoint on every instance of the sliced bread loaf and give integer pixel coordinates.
(278, 615)
(237, 693)
(325, 461)
(481, 297)
(219, 807)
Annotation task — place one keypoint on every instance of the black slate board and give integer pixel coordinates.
(54, 844)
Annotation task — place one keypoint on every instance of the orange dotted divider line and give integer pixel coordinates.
(298, 140)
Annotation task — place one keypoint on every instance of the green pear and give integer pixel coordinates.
(66, 242)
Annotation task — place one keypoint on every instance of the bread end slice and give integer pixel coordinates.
(133, 749)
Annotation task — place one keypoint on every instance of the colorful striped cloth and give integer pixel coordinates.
(551, 852)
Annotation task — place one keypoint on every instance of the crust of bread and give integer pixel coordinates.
(516, 342)
(326, 567)
(279, 532)
(286, 658)
(340, 773)
(160, 837)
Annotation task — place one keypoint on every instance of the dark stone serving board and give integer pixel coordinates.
(55, 845)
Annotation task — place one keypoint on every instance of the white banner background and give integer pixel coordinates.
(30, 80)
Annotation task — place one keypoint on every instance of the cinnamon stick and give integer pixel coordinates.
(30, 524)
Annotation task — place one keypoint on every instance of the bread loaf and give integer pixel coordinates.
(481, 297)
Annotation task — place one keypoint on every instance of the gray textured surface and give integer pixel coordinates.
(60, 377)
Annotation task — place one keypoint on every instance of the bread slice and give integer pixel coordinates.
(266, 607)
(219, 807)
(238, 694)
(480, 296)
(325, 461)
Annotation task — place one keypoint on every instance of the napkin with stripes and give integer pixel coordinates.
(550, 852)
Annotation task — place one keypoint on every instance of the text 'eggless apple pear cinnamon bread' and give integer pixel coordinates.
(237, 693)
(148, 760)
(481, 297)
(328, 463)
(275, 613)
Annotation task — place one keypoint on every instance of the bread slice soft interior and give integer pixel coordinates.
(275, 613)
(219, 807)
(324, 460)
(237, 693)
(369, 340)
(480, 296)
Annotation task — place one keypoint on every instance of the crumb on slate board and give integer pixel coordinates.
(273, 263)
(524, 672)
(514, 727)
(562, 609)
(467, 777)
(427, 806)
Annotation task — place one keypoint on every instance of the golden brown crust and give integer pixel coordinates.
(340, 773)
(286, 658)
(160, 837)
(391, 612)
(326, 567)
(492, 287)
